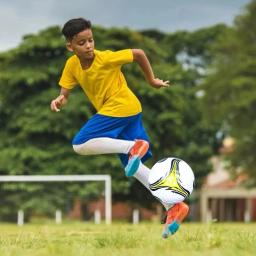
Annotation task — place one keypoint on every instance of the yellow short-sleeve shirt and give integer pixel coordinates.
(103, 82)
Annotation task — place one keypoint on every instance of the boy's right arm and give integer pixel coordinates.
(61, 100)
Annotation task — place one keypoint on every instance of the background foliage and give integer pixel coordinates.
(215, 62)
(230, 92)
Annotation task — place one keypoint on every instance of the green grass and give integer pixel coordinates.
(125, 239)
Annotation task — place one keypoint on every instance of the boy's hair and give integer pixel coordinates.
(75, 26)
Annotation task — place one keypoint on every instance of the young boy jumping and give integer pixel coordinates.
(117, 126)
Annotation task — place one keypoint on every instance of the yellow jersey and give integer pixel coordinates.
(103, 82)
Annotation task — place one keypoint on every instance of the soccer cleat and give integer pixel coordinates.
(175, 216)
(138, 150)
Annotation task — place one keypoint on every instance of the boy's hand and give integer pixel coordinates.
(158, 83)
(57, 103)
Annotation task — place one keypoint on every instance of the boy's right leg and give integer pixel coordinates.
(135, 149)
(103, 145)
(140, 152)
(99, 136)
(136, 153)
(97, 146)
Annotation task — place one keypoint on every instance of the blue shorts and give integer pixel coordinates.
(124, 128)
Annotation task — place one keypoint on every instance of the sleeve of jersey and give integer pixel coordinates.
(119, 57)
(67, 79)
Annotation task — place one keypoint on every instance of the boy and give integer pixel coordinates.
(117, 125)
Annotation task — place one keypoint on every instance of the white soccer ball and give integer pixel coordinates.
(171, 180)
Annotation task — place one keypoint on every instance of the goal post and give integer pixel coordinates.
(69, 178)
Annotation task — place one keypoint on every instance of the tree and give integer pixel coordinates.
(35, 141)
(230, 92)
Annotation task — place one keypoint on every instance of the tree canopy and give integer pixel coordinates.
(35, 141)
(230, 92)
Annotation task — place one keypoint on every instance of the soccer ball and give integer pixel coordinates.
(171, 180)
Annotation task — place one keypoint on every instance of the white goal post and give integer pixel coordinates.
(70, 178)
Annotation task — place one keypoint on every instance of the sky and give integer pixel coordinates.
(21, 17)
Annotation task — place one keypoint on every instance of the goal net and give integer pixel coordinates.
(68, 178)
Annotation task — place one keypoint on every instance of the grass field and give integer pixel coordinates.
(126, 239)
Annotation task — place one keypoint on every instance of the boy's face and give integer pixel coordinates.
(82, 44)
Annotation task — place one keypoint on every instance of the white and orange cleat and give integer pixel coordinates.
(138, 150)
(175, 216)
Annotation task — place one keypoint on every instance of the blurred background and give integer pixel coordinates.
(206, 49)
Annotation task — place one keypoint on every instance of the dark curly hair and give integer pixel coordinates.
(75, 26)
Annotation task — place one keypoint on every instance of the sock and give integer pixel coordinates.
(168, 206)
(142, 175)
(103, 146)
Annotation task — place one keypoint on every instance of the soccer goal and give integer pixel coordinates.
(69, 178)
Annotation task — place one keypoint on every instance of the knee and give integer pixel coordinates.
(79, 145)
(84, 149)
(79, 149)
(77, 140)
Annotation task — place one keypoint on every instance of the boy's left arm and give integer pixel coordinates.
(140, 57)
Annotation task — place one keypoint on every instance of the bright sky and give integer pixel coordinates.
(20, 17)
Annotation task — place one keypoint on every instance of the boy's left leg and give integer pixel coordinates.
(175, 215)
(176, 209)
(142, 176)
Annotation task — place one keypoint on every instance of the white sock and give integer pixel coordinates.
(168, 206)
(103, 146)
(142, 175)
